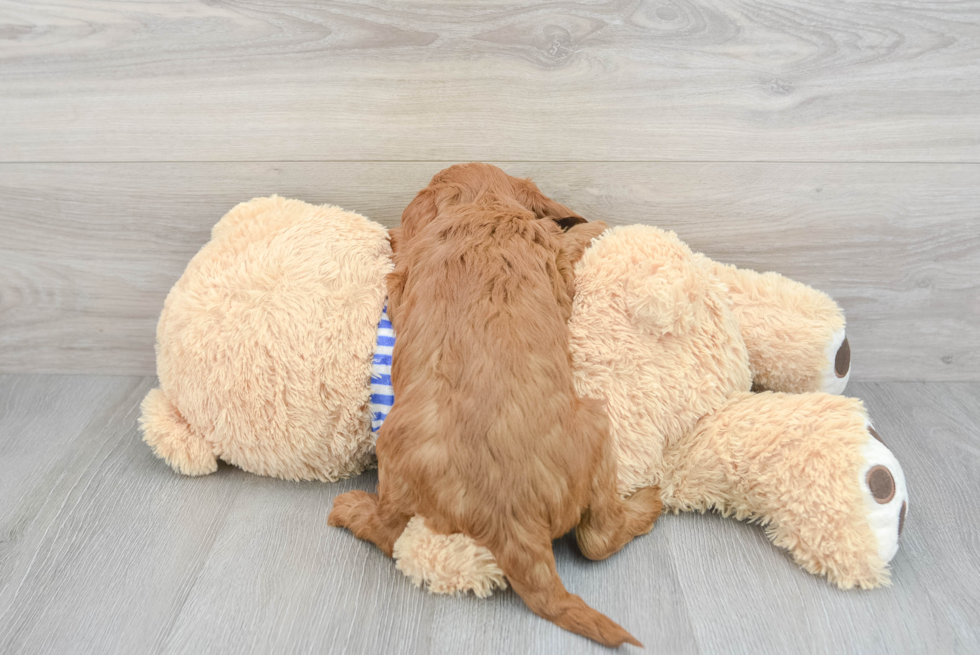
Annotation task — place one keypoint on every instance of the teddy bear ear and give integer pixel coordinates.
(664, 298)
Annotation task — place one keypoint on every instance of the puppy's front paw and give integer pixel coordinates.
(348, 507)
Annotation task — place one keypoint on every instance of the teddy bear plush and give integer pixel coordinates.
(721, 384)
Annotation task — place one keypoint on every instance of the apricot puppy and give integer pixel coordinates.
(486, 436)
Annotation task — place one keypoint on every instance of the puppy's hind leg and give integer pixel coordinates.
(610, 522)
(369, 518)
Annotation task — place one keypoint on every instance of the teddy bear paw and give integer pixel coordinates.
(446, 563)
(837, 370)
(885, 495)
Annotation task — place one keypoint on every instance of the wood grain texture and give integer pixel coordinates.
(246, 80)
(105, 550)
(110, 544)
(89, 251)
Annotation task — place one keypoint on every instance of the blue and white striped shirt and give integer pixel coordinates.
(382, 394)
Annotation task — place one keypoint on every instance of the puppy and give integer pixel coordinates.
(465, 183)
(486, 436)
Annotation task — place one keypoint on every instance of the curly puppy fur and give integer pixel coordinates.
(487, 437)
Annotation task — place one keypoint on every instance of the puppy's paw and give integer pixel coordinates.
(351, 506)
(643, 509)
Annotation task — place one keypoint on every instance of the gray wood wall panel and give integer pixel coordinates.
(103, 549)
(89, 251)
(748, 80)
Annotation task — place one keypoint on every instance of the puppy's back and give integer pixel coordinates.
(485, 307)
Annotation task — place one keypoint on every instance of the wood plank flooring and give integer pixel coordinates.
(103, 549)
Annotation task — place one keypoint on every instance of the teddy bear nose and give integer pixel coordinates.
(842, 363)
(901, 519)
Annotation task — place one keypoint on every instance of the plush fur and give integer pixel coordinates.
(771, 458)
(656, 333)
(295, 406)
(486, 436)
(806, 320)
(446, 563)
(653, 334)
(264, 345)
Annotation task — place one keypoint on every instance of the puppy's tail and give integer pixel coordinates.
(530, 568)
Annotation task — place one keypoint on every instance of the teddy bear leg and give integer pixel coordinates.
(610, 522)
(446, 563)
(171, 438)
(795, 334)
(810, 468)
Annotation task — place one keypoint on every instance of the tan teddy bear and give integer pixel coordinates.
(719, 384)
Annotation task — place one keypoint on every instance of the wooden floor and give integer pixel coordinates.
(834, 141)
(103, 549)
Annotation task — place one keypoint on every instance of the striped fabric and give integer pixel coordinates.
(382, 395)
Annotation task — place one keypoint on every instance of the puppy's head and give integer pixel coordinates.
(476, 183)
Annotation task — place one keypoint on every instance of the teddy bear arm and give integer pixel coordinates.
(810, 468)
(795, 334)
